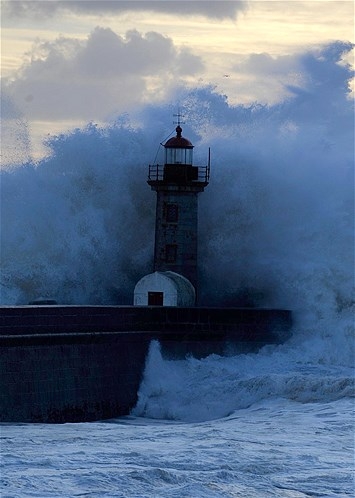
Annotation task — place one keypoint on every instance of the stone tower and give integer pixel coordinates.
(177, 184)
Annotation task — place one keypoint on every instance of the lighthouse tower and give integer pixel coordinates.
(177, 184)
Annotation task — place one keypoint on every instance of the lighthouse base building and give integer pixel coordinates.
(164, 289)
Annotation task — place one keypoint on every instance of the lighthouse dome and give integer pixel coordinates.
(178, 142)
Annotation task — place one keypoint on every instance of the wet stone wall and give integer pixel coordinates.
(83, 363)
(71, 378)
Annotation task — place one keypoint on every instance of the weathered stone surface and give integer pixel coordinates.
(82, 363)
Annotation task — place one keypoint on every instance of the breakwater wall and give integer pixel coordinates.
(83, 363)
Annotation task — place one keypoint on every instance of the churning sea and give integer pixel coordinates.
(278, 423)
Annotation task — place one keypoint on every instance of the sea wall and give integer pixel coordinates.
(83, 363)
(70, 377)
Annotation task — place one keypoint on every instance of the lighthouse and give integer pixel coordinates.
(177, 184)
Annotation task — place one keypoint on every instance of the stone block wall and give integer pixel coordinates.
(83, 363)
(76, 378)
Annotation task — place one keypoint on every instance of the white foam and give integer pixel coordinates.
(215, 387)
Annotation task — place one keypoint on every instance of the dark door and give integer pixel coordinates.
(155, 298)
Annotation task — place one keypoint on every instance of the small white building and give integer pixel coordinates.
(164, 289)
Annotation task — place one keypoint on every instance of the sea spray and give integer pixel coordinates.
(194, 390)
(69, 223)
(15, 141)
(276, 222)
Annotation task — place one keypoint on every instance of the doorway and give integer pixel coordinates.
(155, 298)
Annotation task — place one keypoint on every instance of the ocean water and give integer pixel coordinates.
(276, 230)
(277, 448)
(240, 426)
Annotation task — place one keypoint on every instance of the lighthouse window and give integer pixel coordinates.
(170, 253)
(172, 213)
(178, 156)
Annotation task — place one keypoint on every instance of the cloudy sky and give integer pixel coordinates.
(66, 63)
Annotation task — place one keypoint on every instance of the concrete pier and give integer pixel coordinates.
(84, 363)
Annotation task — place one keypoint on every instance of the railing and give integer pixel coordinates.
(156, 173)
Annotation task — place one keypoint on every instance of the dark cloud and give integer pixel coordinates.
(213, 9)
(70, 79)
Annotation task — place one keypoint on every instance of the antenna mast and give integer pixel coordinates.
(178, 116)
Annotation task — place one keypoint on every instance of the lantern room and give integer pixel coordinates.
(178, 150)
